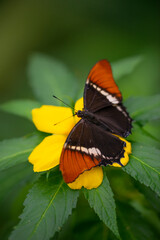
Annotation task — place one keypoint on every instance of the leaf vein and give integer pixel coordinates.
(43, 214)
(16, 154)
(143, 163)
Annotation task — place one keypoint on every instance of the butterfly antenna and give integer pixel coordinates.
(64, 102)
(64, 119)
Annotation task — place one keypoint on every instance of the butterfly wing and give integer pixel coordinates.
(101, 89)
(116, 119)
(103, 98)
(87, 146)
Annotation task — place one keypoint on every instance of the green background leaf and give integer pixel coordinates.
(150, 196)
(49, 77)
(102, 201)
(125, 66)
(15, 151)
(141, 136)
(22, 108)
(14, 178)
(144, 109)
(144, 166)
(132, 225)
(47, 206)
(15, 183)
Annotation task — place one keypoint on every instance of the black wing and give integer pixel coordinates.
(116, 119)
(103, 98)
(87, 146)
(101, 89)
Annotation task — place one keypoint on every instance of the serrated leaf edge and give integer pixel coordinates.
(43, 214)
(117, 232)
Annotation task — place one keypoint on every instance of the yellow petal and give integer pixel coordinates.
(47, 154)
(124, 160)
(46, 116)
(88, 179)
(79, 106)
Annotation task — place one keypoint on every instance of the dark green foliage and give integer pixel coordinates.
(49, 77)
(15, 151)
(21, 107)
(132, 225)
(144, 166)
(125, 66)
(144, 109)
(47, 206)
(102, 201)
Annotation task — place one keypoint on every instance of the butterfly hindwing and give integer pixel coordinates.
(87, 146)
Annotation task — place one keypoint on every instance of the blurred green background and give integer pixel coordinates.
(78, 33)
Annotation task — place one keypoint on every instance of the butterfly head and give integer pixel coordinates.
(87, 116)
(80, 113)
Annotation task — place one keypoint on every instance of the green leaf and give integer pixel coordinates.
(150, 115)
(15, 151)
(47, 206)
(14, 178)
(151, 196)
(21, 108)
(125, 66)
(50, 77)
(140, 135)
(132, 225)
(144, 166)
(144, 109)
(102, 201)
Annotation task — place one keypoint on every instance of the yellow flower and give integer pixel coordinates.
(47, 154)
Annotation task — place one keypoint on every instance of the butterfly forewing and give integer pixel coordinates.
(103, 98)
(100, 88)
(101, 75)
(116, 119)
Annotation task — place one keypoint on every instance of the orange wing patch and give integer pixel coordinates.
(101, 75)
(73, 163)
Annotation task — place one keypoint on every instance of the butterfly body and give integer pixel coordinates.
(93, 141)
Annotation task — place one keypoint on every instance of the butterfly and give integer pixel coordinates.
(93, 140)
